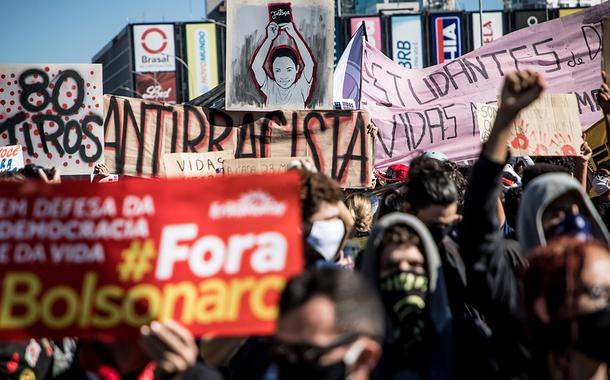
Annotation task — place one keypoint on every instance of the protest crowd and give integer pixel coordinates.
(491, 268)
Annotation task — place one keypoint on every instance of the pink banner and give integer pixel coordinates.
(373, 29)
(435, 108)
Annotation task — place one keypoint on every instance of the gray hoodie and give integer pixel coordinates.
(538, 195)
(441, 363)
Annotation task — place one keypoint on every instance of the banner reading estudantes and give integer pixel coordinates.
(435, 108)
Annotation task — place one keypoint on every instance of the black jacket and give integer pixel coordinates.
(492, 269)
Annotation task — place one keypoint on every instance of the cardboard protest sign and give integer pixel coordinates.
(55, 113)
(435, 108)
(597, 138)
(279, 55)
(190, 165)
(259, 165)
(138, 133)
(550, 126)
(486, 115)
(11, 158)
(211, 254)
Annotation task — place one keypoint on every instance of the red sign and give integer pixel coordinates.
(100, 261)
(163, 40)
(160, 87)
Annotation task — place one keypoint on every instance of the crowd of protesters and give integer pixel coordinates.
(496, 270)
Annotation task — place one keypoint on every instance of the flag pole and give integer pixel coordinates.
(481, 20)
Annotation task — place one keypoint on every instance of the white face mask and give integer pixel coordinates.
(600, 184)
(326, 236)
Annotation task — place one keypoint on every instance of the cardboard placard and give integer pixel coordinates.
(212, 254)
(191, 165)
(279, 55)
(260, 165)
(55, 111)
(138, 133)
(11, 158)
(550, 126)
(486, 115)
(597, 138)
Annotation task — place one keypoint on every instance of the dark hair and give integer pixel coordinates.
(568, 163)
(512, 198)
(315, 189)
(392, 201)
(436, 188)
(531, 172)
(399, 234)
(357, 305)
(285, 51)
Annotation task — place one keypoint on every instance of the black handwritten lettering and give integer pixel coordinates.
(554, 62)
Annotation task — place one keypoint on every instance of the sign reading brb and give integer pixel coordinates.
(447, 34)
(153, 47)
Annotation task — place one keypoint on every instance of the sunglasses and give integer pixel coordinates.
(300, 352)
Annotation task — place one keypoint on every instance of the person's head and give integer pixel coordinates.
(393, 200)
(567, 288)
(433, 199)
(323, 228)
(534, 171)
(601, 179)
(555, 205)
(285, 66)
(361, 209)
(566, 162)
(330, 326)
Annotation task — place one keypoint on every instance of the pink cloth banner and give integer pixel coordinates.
(435, 108)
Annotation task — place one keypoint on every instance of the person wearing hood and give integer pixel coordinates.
(401, 260)
(555, 205)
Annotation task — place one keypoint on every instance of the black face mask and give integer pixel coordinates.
(310, 370)
(440, 232)
(594, 335)
(404, 295)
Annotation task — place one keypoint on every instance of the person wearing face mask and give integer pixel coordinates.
(326, 220)
(555, 205)
(330, 326)
(601, 186)
(567, 288)
(433, 199)
(402, 261)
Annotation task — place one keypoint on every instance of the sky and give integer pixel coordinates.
(73, 31)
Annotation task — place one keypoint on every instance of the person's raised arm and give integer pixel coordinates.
(258, 63)
(603, 99)
(520, 89)
(308, 62)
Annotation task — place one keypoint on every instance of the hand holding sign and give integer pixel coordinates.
(603, 96)
(289, 29)
(170, 346)
(272, 30)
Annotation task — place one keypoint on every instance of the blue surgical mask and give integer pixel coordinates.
(575, 225)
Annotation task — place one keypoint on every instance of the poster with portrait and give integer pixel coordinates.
(279, 55)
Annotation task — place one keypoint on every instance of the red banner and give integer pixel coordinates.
(100, 261)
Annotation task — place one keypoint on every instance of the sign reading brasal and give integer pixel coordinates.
(211, 254)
